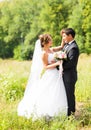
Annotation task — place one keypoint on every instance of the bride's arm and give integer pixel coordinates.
(55, 49)
(45, 62)
(58, 48)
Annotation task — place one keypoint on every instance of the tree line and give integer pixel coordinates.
(22, 21)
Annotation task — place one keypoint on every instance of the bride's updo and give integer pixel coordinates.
(45, 39)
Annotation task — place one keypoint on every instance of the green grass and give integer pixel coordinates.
(83, 87)
(13, 80)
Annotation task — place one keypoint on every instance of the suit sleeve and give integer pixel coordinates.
(72, 58)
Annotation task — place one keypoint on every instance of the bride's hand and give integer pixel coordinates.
(53, 61)
(62, 43)
(58, 62)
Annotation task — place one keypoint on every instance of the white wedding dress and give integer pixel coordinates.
(46, 97)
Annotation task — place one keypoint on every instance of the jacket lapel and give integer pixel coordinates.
(72, 45)
(65, 47)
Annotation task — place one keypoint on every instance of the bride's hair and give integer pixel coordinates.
(45, 39)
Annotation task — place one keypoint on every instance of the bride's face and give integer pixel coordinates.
(50, 43)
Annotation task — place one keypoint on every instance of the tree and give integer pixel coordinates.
(53, 18)
(17, 20)
(87, 24)
(80, 21)
(21, 22)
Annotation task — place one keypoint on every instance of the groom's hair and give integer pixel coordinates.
(68, 31)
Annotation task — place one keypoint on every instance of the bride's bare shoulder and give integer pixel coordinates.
(52, 50)
(44, 54)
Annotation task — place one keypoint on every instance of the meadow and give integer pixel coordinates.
(13, 80)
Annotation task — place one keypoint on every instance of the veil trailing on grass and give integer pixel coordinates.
(36, 67)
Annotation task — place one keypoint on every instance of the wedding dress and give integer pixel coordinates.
(47, 97)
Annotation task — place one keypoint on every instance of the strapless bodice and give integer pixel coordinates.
(50, 57)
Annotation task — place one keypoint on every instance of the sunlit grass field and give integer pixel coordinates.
(13, 80)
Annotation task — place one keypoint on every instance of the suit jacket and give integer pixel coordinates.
(70, 65)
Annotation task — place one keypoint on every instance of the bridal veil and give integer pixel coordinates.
(36, 67)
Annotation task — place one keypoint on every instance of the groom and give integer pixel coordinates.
(70, 67)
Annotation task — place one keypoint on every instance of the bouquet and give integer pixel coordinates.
(60, 55)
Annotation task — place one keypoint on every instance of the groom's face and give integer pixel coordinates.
(66, 38)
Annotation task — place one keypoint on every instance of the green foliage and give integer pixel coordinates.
(80, 21)
(88, 43)
(12, 84)
(11, 89)
(26, 52)
(17, 52)
(87, 24)
(83, 87)
(53, 18)
(57, 123)
(75, 21)
(22, 22)
(22, 52)
(16, 22)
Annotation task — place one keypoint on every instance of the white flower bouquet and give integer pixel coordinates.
(60, 55)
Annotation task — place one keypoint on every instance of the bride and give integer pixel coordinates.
(45, 92)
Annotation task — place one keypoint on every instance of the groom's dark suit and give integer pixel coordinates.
(70, 74)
